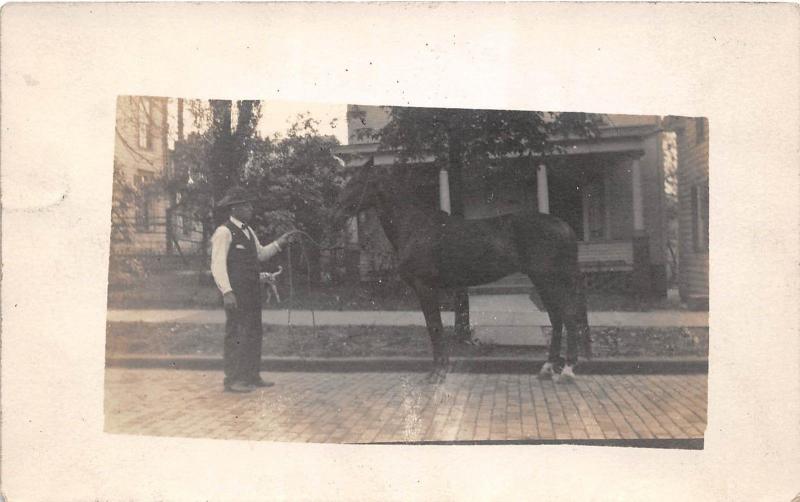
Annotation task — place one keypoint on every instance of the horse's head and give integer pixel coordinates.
(361, 190)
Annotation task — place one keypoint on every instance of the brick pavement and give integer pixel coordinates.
(399, 407)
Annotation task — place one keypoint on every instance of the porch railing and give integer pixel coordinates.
(606, 256)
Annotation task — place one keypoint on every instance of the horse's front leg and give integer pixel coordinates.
(553, 304)
(429, 302)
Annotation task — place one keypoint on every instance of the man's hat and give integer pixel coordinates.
(236, 195)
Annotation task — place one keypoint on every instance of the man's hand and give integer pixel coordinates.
(229, 301)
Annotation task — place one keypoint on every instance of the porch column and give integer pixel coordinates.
(444, 191)
(642, 279)
(542, 196)
(638, 208)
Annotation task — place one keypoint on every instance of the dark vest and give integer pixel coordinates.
(243, 267)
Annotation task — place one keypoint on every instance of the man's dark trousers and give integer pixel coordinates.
(243, 333)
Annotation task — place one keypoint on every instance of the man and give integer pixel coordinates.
(235, 253)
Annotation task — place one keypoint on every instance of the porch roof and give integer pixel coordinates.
(614, 143)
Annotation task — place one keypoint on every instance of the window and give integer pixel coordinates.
(187, 225)
(700, 130)
(594, 223)
(351, 230)
(144, 123)
(700, 218)
(142, 181)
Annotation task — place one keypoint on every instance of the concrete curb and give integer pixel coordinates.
(684, 365)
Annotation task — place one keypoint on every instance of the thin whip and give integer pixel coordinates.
(304, 255)
(307, 236)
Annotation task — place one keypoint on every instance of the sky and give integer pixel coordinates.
(277, 116)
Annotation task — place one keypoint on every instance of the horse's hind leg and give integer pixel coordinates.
(568, 298)
(429, 302)
(547, 293)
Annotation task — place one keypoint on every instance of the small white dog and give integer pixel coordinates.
(271, 279)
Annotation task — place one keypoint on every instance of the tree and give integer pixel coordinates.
(299, 177)
(469, 142)
(122, 203)
(295, 175)
(142, 121)
(300, 181)
(207, 163)
(123, 269)
(229, 148)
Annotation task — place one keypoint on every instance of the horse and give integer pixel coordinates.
(438, 251)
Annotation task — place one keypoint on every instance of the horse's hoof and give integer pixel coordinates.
(436, 376)
(547, 372)
(567, 375)
(433, 377)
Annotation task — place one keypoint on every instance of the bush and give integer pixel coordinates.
(126, 271)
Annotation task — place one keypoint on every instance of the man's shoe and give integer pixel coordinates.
(259, 382)
(240, 387)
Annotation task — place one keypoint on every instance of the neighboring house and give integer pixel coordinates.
(142, 160)
(610, 190)
(693, 208)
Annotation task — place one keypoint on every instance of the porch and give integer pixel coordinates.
(593, 257)
(610, 192)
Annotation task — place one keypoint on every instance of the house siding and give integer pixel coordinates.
(132, 159)
(692, 172)
(620, 201)
(128, 155)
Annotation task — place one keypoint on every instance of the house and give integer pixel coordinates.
(610, 190)
(141, 202)
(693, 208)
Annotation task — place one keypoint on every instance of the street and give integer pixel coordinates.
(398, 407)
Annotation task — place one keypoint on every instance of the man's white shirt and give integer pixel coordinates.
(221, 242)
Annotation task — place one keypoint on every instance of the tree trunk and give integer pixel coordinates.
(246, 122)
(221, 155)
(455, 155)
(169, 231)
(180, 119)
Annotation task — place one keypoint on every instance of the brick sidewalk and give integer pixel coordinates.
(398, 407)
